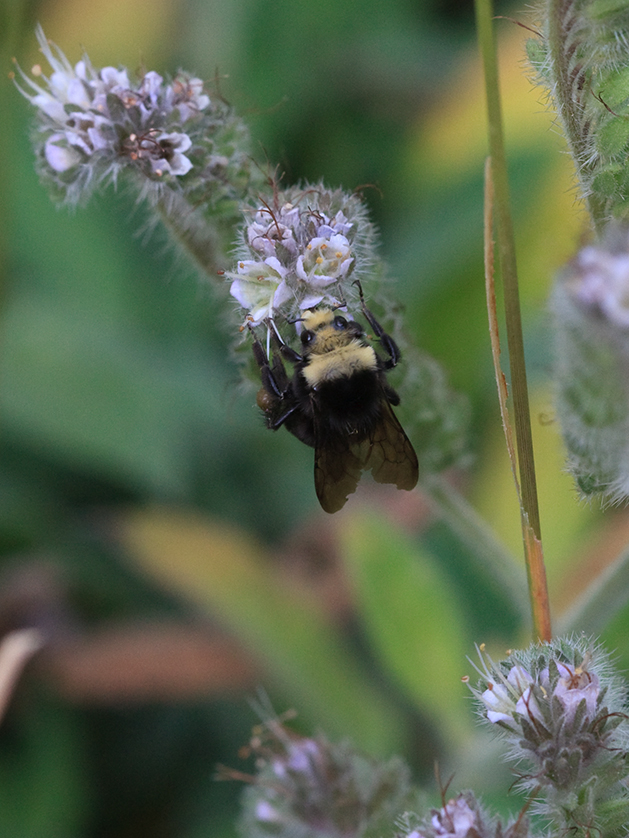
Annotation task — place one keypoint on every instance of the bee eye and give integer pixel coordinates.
(339, 323)
(307, 336)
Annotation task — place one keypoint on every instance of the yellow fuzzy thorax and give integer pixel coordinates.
(339, 363)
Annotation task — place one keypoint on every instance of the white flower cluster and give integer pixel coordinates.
(519, 695)
(87, 113)
(514, 696)
(302, 250)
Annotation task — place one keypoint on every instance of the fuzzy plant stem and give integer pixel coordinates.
(493, 557)
(198, 240)
(559, 15)
(506, 249)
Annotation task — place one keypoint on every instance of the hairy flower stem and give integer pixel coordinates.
(199, 241)
(506, 249)
(560, 14)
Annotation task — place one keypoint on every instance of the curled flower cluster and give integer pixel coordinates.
(310, 787)
(562, 712)
(301, 249)
(94, 123)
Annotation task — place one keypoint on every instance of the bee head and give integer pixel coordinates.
(324, 330)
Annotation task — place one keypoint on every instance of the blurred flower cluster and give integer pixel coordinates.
(590, 305)
(189, 154)
(311, 787)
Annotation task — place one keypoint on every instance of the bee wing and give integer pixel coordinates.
(387, 452)
(337, 472)
(390, 455)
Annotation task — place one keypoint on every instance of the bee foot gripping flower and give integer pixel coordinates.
(562, 712)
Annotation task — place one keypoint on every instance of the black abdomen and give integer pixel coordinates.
(349, 404)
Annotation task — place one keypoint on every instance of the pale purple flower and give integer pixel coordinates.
(150, 88)
(266, 813)
(302, 754)
(576, 684)
(266, 231)
(187, 96)
(326, 260)
(503, 698)
(456, 818)
(135, 129)
(89, 132)
(499, 703)
(114, 80)
(59, 155)
(260, 288)
(167, 154)
(338, 224)
(311, 243)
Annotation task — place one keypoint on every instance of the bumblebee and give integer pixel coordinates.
(339, 402)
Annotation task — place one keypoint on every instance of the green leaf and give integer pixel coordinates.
(412, 619)
(89, 395)
(293, 641)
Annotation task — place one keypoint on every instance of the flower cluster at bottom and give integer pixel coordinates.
(563, 713)
(460, 817)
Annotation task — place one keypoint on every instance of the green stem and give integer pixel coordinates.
(493, 557)
(515, 341)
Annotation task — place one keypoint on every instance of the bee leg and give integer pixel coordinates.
(391, 394)
(273, 376)
(386, 340)
(278, 343)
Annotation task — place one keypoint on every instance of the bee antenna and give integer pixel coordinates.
(296, 320)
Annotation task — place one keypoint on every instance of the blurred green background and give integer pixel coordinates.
(172, 549)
